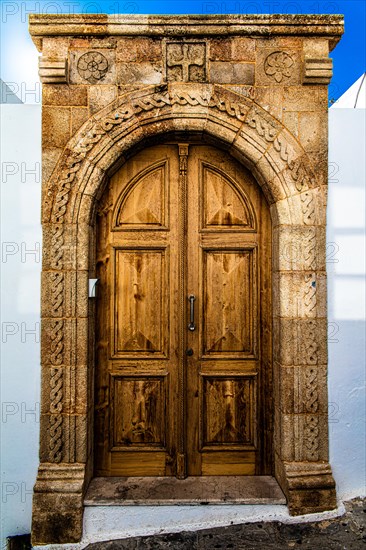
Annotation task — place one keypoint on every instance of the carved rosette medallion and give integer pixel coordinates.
(279, 66)
(92, 66)
(186, 62)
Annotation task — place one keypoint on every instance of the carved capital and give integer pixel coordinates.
(317, 70)
(52, 70)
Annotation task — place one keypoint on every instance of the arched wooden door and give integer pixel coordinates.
(183, 360)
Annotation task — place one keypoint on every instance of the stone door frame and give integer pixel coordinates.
(297, 202)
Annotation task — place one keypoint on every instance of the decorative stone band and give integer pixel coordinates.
(52, 70)
(317, 70)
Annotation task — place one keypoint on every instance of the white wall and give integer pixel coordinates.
(20, 289)
(346, 298)
(20, 312)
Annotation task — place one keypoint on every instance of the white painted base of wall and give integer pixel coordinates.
(103, 523)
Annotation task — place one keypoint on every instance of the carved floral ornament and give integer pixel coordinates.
(92, 66)
(279, 65)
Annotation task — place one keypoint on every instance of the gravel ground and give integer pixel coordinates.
(344, 533)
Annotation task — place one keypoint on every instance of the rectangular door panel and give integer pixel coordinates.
(141, 303)
(138, 412)
(229, 303)
(228, 407)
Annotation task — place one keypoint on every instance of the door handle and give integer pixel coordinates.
(191, 325)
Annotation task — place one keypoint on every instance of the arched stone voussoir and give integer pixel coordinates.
(236, 121)
(291, 163)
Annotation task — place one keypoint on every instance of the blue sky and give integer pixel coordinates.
(19, 55)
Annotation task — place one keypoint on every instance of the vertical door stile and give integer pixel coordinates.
(182, 214)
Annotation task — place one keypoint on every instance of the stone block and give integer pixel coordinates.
(64, 95)
(270, 98)
(143, 73)
(317, 70)
(95, 66)
(316, 47)
(63, 342)
(56, 126)
(221, 49)
(130, 50)
(79, 115)
(243, 49)
(300, 342)
(59, 289)
(299, 294)
(305, 98)
(299, 248)
(55, 46)
(309, 487)
(302, 390)
(291, 121)
(58, 504)
(73, 389)
(50, 157)
(65, 247)
(100, 97)
(313, 131)
(52, 69)
(231, 73)
(278, 66)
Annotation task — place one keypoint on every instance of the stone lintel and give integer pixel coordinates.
(265, 26)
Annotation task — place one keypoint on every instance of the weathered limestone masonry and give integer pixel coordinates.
(254, 85)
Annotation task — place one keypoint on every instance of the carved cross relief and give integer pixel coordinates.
(186, 62)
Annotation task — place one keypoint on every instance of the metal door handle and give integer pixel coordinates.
(191, 325)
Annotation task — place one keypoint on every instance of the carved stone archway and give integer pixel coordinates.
(297, 198)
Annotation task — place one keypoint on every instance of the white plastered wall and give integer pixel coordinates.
(20, 309)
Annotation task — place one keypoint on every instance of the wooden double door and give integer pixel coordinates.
(183, 336)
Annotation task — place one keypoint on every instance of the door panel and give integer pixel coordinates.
(229, 292)
(219, 226)
(141, 303)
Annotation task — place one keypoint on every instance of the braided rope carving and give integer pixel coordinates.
(311, 391)
(55, 429)
(57, 242)
(310, 249)
(57, 293)
(310, 344)
(310, 294)
(308, 207)
(311, 433)
(57, 345)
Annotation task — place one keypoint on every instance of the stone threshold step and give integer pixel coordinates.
(159, 491)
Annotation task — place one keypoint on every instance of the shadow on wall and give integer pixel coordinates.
(346, 299)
